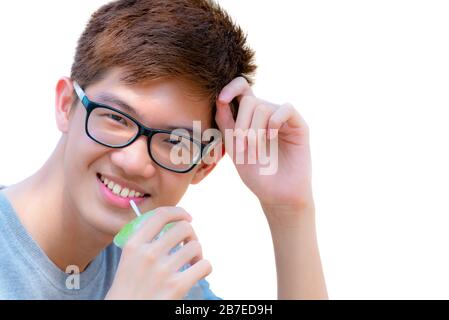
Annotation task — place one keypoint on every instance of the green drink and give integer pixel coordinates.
(196, 292)
(131, 227)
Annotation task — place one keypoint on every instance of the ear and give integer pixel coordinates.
(206, 167)
(202, 172)
(63, 103)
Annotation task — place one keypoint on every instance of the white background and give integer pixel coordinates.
(371, 79)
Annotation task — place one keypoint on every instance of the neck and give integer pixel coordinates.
(52, 219)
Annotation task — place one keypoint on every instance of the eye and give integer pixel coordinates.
(180, 142)
(173, 141)
(117, 118)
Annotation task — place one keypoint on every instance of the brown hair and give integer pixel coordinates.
(195, 40)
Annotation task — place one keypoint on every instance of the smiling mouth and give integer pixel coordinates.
(121, 191)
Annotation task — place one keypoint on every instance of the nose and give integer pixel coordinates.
(134, 159)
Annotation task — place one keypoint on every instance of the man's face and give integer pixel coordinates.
(159, 104)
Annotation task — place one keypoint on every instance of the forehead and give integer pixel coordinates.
(160, 103)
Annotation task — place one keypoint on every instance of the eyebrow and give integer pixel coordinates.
(109, 98)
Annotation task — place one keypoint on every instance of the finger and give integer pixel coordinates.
(236, 88)
(243, 122)
(181, 231)
(190, 253)
(223, 117)
(285, 114)
(225, 122)
(258, 129)
(154, 224)
(194, 273)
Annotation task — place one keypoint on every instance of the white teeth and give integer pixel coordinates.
(118, 190)
(124, 192)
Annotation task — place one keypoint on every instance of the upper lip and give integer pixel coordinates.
(125, 184)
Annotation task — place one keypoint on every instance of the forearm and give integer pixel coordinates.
(298, 263)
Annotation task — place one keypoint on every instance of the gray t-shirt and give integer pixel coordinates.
(27, 273)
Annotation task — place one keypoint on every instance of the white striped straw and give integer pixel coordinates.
(135, 207)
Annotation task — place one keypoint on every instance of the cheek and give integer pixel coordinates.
(80, 153)
(172, 188)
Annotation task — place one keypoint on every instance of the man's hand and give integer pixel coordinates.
(290, 186)
(147, 270)
(285, 195)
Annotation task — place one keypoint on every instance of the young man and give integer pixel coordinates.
(143, 69)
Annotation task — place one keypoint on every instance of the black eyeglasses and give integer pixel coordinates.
(113, 128)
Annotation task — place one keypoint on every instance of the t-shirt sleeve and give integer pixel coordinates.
(201, 291)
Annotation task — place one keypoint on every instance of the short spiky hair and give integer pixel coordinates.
(191, 39)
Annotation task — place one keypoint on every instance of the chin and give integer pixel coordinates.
(105, 224)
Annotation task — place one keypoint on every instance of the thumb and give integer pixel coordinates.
(225, 121)
(223, 116)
